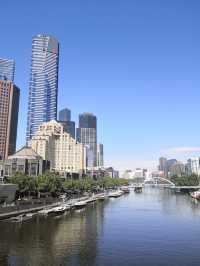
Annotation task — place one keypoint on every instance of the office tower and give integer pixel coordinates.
(100, 154)
(65, 119)
(87, 134)
(65, 115)
(43, 85)
(7, 69)
(9, 107)
(163, 166)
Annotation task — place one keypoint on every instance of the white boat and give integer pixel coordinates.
(102, 196)
(45, 211)
(66, 206)
(115, 194)
(125, 189)
(195, 194)
(22, 217)
(80, 204)
(58, 210)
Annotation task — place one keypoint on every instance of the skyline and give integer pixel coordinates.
(155, 108)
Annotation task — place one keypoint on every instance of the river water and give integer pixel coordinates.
(154, 228)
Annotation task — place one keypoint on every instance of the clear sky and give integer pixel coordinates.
(133, 63)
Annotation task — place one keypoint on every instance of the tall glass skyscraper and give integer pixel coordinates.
(7, 69)
(87, 134)
(43, 85)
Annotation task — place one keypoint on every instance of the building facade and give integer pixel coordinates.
(65, 115)
(163, 166)
(43, 85)
(65, 119)
(9, 107)
(100, 155)
(25, 161)
(52, 143)
(7, 69)
(193, 166)
(87, 135)
(177, 169)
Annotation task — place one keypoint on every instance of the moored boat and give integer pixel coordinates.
(115, 194)
(138, 189)
(125, 189)
(195, 194)
(80, 204)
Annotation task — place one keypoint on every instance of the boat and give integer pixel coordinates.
(22, 217)
(80, 204)
(58, 210)
(195, 194)
(138, 189)
(91, 199)
(115, 194)
(45, 211)
(125, 189)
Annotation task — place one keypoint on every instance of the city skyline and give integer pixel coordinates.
(150, 72)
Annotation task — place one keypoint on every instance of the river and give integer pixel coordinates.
(154, 228)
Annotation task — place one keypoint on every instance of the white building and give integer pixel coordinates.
(193, 166)
(52, 143)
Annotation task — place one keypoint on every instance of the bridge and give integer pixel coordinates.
(155, 180)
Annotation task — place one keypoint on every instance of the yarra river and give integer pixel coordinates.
(154, 228)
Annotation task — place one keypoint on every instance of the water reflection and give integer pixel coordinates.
(157, 227)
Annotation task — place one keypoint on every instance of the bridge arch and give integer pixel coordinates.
(161, 179)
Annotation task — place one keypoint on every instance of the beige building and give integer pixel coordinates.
(52, 143)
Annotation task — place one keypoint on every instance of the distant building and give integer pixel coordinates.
(87, 135)
(65, 119)
(9, 107)
(139, 173)
(25, 161)
(100, 155)
(177, 169)
(170, 162)
(65, 115)
(7, 69)
(111, 172)
(52, 143)
(193, 166)
(163, 166)
(43, 85)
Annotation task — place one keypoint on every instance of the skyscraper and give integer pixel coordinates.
(65, 119)
(87, 134)
(9, 107)
(65, 115)
(163, 166)
(100, 155)
(7, 69)
(43, 85)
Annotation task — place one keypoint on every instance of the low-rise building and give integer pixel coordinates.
(54, 144)
(25, 161)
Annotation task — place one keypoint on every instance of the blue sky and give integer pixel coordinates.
(133, 63)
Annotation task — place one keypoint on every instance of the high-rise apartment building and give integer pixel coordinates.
(100, 155)
(9, 107)
(163, 166)
(43, 85)
(7, 69)
(87, 135)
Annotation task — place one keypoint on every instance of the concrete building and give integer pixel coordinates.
(9, 107)
(43, 85)
(52, 143)
(25, 161)
(100, 156)
(87, 135)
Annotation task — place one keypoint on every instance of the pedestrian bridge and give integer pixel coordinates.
(159, 181)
